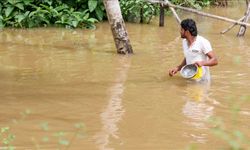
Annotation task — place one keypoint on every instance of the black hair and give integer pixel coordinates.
(190, 25)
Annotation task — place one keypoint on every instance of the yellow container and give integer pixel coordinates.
(191, 71)
(198, 74)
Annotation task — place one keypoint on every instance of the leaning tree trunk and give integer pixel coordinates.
(119, 31)
(243, 27)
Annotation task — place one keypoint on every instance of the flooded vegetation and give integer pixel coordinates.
(68, 89)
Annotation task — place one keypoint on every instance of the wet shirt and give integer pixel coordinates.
(197, 52)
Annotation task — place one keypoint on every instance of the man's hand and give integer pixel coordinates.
(173, 71)
(199, 63)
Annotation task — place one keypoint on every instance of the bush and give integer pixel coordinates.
(36, 13)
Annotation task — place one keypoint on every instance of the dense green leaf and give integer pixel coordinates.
(35, 13)
(12, 2)
(20, 6)
(79, 13)
(99, 13)
(20, 18)
(92, 20)
(92, 5)
(48, 2)
(26, 2)
(61, 7)
(86, 16)
(75, 23)
(8, 11)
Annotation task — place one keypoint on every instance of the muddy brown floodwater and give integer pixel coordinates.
(68, 89)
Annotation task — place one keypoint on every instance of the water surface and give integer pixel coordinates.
(68, 89)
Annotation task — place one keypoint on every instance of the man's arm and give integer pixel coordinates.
(183, 63)
(212, 61)
(178, 68)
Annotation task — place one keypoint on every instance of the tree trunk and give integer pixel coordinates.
(118, 28)
(141, 14)
(161, 23)
(243, 27)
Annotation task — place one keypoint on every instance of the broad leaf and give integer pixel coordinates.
(20, 6)
(99, 13)
(8, 11)
(1, 7)
(20, 18)
(26, 2)
(1, 25)
(12, 2)
(86, 16)
(92, 20)
(75, 23)
(92, 5)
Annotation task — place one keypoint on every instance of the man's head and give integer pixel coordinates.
(188, 25)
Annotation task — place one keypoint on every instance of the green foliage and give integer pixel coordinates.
(138, 10)
(78, 13)
(143, 11)
(35, 13)
(95, 8)
(198, 4)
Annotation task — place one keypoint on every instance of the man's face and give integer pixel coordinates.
(182, 32)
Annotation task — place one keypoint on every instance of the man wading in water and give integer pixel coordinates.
(197, 50)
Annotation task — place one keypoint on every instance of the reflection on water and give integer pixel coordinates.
(114, 111)
(197, 109)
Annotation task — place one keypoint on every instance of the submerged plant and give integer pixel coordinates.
(235, 138)
(6, 139)
(61, 137)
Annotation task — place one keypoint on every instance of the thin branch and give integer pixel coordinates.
(167, 3)
(230, 27)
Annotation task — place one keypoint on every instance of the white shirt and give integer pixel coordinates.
(197, 52)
